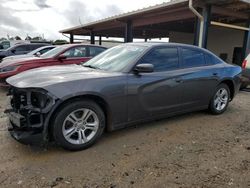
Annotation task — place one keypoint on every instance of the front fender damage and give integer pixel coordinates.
(28, 112)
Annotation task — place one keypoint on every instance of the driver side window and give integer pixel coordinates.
(163, 58)
(76, 52)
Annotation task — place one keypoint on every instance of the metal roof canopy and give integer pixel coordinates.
(157, 21)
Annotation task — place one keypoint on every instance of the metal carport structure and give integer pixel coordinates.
(175, 16)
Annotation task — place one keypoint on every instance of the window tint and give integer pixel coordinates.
(192, 58)
(79, 51)
(93, 51)
(212, 60)
(21, 48)
(35, 46)
(45, 50)
(163, 58)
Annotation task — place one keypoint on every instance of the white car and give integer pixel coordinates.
(246, 72)
(36, 52)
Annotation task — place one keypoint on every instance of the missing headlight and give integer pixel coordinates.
(39, 100)
(36, 100)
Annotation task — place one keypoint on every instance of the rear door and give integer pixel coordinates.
(94, 51)
(199, 78)
(159, 92)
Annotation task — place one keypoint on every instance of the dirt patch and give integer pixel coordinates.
(192, 150)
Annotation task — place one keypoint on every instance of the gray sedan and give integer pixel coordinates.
(125, 85)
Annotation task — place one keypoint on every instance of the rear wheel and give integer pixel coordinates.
(220, 100)
(78, 125)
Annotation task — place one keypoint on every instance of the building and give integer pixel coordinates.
(221, 26)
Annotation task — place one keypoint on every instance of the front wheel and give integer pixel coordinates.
(78, 125)
(220, 100)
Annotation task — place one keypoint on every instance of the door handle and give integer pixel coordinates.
(215, 74)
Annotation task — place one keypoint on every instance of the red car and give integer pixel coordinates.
(61, 55)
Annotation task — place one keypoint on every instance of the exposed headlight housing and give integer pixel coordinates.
(36, 100)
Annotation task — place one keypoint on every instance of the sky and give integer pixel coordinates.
(47, 17)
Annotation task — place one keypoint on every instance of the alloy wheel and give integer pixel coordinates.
(80, 126)
(221, 99)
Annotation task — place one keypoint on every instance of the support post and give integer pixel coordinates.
(71, 38)
(92, 37)
(246, 44)
(100, 40)
(196, 31)
(207, 15)
(146, 39)
(128, 32)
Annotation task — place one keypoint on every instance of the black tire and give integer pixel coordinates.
(212, 106)
(65, 111)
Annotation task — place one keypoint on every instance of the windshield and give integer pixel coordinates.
(53, 52)
(116, 58)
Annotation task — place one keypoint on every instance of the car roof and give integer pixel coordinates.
(170, 44)
(149, 44)
(81, 44)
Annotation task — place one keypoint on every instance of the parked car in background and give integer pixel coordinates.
(124, 85)
(246, 73)
(61, 55)
(9, 43)
(36, 52)
(20, 49)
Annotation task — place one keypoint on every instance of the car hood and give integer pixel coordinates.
(16, 62)
(49, 76)
(18, 57)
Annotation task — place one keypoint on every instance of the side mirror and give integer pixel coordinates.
(38, 54)
(13, 51)
(144, 68)
(61, 57)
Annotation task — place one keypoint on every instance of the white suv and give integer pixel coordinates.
(246, 72)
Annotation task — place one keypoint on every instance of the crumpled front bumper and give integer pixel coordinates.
(31, 137)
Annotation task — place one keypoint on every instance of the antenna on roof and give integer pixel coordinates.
(80, 21)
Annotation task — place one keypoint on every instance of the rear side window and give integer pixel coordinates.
(163, 58)
(93, 51)
(212, 60)
(22, 48)
(192, 58)
(35, 46)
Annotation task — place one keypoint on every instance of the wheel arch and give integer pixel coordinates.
(231, 86)
(96, 98)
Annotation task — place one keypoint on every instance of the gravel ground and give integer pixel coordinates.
(192, 150)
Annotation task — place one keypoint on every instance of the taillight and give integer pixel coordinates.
(244, 64)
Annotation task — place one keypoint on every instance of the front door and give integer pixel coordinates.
(157, 93)
(75, 55)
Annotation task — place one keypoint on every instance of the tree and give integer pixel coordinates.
(17, 38)
(37, 38)
(3, 38)
(60, 42)
(28, 37)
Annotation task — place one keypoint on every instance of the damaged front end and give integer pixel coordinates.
(28, 112)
